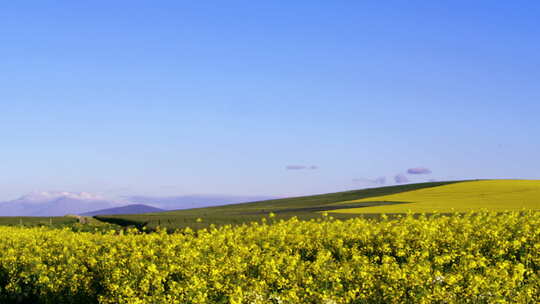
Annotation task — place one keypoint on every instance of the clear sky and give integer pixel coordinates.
(233, 97)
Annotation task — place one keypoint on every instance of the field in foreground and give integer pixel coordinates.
(493, 195)
(480, 258)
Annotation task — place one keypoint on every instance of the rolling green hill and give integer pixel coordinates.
(442, 197)
(494, 195)
(304, 207)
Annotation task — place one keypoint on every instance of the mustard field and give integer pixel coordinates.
(472, 258)
(494, 195)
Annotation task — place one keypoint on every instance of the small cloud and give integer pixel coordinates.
(401, 179)
(419, 170)
(295, 167)
(301, 167)
(50, 195)
(378, 181)
(168, 187)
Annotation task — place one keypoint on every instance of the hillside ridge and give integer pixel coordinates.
(303, 207)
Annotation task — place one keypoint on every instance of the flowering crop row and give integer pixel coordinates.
(480, 258)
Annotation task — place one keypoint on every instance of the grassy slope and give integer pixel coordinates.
(497, 195)
(304, 207)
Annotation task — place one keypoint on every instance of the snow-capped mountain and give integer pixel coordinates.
(56, 204)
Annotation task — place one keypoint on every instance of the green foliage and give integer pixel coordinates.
(56, 221)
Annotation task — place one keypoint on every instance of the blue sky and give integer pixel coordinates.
(183, 97)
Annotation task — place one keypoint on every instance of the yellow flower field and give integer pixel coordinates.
(473, 258)
(495, 195)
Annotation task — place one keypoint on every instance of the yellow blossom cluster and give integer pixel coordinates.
(472, 258)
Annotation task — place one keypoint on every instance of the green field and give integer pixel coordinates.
(305, 207)
(483, 257)
(37, 221)
(73, 222)
(441, 197)
(493, 195)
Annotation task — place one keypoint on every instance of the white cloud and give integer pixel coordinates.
(419, 170)
(301, 167)
(51, 195)
(401, 179)
(367, 181)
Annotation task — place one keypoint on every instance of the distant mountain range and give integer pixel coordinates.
(55, 204)
(129, 209)
(194, 201)
(62, 203)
